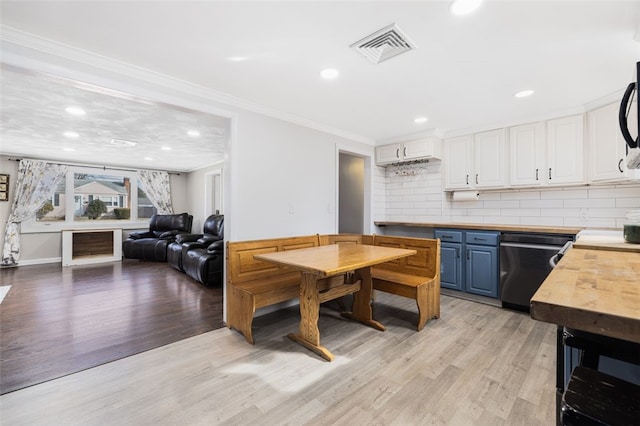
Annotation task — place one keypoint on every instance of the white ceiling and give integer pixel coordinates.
(462, 75)
(34, 121)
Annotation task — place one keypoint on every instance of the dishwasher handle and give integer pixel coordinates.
(556, 257)
(532, 246)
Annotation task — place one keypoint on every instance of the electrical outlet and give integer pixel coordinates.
(291, 208)
(584, 214)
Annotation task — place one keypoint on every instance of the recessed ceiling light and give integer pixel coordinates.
(193, 133)
(148, 158)
(166, 148)
(68, 149)
(329, 73)
(73, 110)
(420, 120)
(237, 58)
(462, 7)
(523, 93)
(71, 134)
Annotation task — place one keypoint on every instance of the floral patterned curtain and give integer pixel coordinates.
(156, 185)
(36, 183)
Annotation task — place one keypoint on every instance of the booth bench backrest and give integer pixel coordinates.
(243, 267)
(424, 263)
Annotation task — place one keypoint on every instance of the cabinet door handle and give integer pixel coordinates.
(479, 239)
(446, 236)
(467, 179)
(398, 153)
(620, 166)
(457, 252)
(476, 178)
(536, 174)
(549, 173)
(467, 254)
(404, 151)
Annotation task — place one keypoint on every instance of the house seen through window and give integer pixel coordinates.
(112, 196)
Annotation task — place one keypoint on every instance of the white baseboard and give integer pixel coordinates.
(39, 261)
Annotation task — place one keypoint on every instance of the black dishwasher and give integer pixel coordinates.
(524, 265)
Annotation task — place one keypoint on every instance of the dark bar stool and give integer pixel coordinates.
(593, 398)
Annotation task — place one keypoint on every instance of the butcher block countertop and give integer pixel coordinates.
(489, 227)
(593, 290)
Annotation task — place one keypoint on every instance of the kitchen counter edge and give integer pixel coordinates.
(488, 227)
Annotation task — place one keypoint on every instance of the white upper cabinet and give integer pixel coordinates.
(457, 162)
(607, 148)
(565, 152)
(489, 155)
(387, 154)
(526, 149)
(477, 161)
(408, 151)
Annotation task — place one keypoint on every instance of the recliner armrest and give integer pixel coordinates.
(187, 238)
(169, 235)
(216, 246)
(136, 235)
(207, 239)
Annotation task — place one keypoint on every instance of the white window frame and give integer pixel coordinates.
(31, 225)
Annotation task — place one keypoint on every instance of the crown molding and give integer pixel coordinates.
(12, 37)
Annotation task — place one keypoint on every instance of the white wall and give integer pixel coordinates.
(419, 198)
(286, 179)
(196, 191)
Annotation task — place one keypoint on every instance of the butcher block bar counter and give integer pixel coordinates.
(593, 290)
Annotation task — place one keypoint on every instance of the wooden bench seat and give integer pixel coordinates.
(416, 277)
(252, 284)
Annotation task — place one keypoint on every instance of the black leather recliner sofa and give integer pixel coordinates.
(201, 256)
(152, 244)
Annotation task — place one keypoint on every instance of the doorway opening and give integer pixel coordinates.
(351, 193)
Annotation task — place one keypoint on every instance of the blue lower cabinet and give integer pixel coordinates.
(469, 261)
(451, 265)
(482, 270)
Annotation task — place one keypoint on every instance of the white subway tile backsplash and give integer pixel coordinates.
(591, 202)
(520, 195)
(502, 204)
(542, 220)
(601, 223)
(561, 212)
(420, 198)
(631, 203)
(502, 220)
(563, 194)
(489, 196)
(483, 212)
(520, 212)
(543, 204)
(618, 192)
(609, 213)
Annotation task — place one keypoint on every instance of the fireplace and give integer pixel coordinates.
(91, 245)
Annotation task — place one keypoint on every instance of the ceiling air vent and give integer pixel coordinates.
(384, 44)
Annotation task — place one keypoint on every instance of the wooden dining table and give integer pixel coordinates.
(317, 266)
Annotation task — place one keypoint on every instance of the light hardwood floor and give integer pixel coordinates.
(476, 365)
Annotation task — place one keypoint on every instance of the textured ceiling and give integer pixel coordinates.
(34, 121)
(462, 74)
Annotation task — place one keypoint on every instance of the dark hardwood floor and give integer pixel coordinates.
(56, 321)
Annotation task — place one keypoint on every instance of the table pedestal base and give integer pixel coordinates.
(370, 322)
(319, 349)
